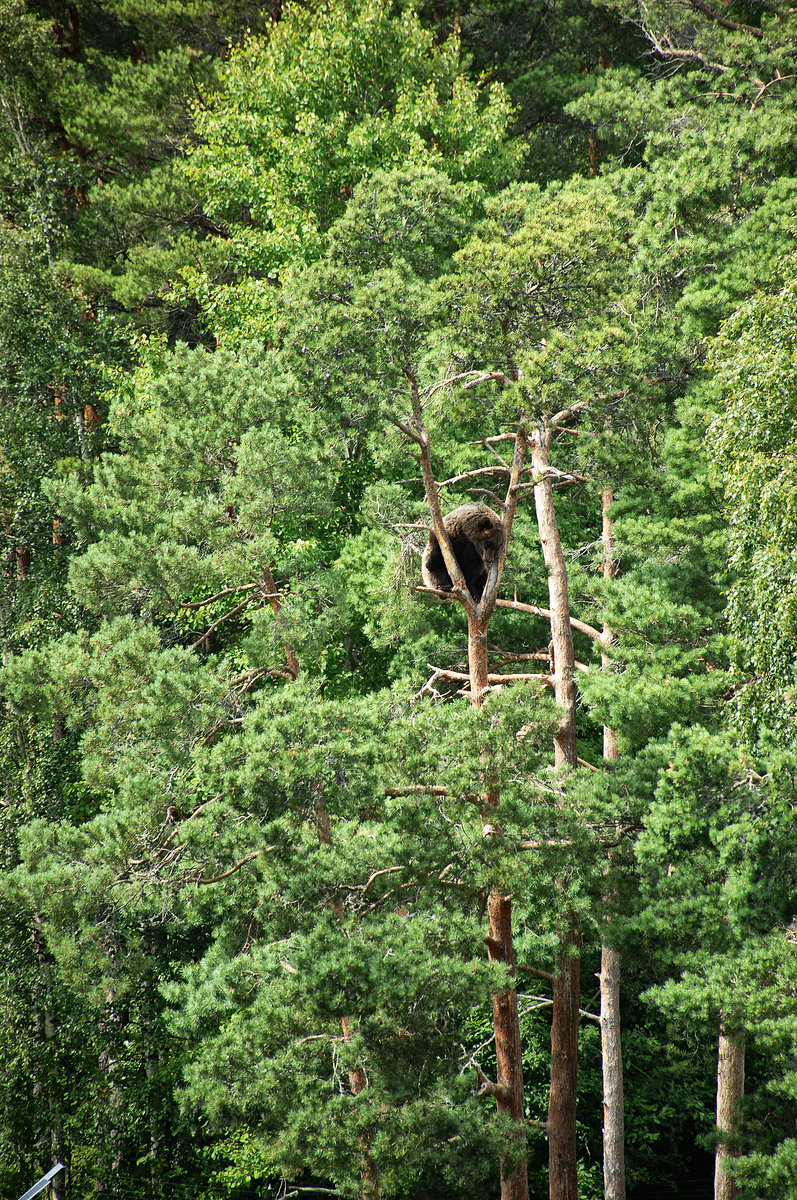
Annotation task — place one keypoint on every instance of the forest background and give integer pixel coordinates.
(293, 897)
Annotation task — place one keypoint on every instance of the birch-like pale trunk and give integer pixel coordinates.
(730, 1092)
(612, 1058)
(611, 1040)
(562, 1154)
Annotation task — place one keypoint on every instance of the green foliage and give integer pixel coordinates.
(707, 121)
(246, 867)
(334, 93)
(754, 362)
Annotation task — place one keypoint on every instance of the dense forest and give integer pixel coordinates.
(398, 599)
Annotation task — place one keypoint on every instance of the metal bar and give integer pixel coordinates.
(42, 1184)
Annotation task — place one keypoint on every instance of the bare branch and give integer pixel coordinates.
(736, 26)
(417, 789)
(666, 49)
(230, 591)
(488, 1088)
(526, 970)
(493, 679)
(471, 474)
(486, 377)
(406, 430)
(226, 874)
(763, 88)
(276, 602)
(232, 613)
(535, 611)
(567, 413)
(459, 588)
(363, 887)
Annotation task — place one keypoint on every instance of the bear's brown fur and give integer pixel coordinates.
(476, 537)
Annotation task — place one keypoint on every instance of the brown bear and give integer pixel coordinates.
(476, 538)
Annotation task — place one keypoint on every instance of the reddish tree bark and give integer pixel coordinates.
(562, 1153)
(508, 1049)
(275, 601)
(730, 1091)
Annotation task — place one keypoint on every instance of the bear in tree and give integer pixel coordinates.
(476, 537)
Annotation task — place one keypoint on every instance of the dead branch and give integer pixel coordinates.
(182, 822)
(486, 377)
(458, 587)
(363, 887)
(432, 388)
(666, 49)
(276, 602)
(446, 597)
(535, 611)
(309, 1191)
(406, 430)
(486, 443)
(472, 474)
(486, 492)
(418, 789)
(510, 656)
(488, 1088)
(232, 613)
(724, 22)
(226, 874)
(566, 413)
(492, 679)
(527, 970)
(763, 88)
(231, 591)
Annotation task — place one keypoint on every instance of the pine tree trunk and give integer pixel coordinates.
(612, 1057)
(730, 1091)
(564, 664)
(508, 1085)
(611, 1043)
(562, 1157)
(506, 1024)
(508, 1049)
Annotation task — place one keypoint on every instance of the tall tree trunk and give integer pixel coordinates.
(508, 1086)
(612, 1057)
(562, 1154)
(564, 664)
(275, 600)
(508, 1050)
(611, 1040)
(730, 1091)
